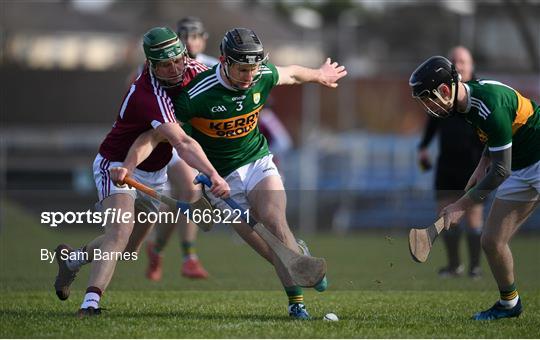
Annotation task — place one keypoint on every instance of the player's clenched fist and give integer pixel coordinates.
(220, 188)
(118, 174)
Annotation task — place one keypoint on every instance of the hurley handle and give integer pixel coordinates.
(141, 187)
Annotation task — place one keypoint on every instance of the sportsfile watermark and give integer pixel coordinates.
(113, 215)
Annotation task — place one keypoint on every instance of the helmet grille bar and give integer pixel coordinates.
(164, 44)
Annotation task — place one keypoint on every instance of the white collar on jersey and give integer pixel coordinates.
(221, 80)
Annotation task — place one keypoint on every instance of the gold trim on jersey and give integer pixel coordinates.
(524, 111)
(234, 127)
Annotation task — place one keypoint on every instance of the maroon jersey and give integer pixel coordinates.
(145, 106)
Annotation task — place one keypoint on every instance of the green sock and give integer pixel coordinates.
(295, 294)
(508, 293)
(188, 250)
(160, 243)
(157, 248)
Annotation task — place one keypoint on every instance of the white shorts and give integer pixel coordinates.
(175, 158)
(523, 185)
(105, 187)
(243, 180)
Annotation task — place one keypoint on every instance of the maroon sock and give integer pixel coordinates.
(93, 289)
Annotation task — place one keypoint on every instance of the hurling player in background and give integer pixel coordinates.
(510, 163)
(460, 150)
(146, 106)
(222, 106)
(191, 32)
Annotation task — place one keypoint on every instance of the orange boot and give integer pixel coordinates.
(192, 268)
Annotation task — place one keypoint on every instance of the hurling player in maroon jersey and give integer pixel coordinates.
(147, 105)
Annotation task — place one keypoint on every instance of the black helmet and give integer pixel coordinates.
(242, 46)
(425, 82)
(190, 25)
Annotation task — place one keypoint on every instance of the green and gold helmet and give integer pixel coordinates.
(166, 55)
(161, 44)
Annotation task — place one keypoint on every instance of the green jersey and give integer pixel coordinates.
(224, 120)
(504, 119)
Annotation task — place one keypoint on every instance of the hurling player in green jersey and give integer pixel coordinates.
(510, 126)
(222, 108)
(453, 170)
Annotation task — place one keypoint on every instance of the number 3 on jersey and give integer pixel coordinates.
(239, 106)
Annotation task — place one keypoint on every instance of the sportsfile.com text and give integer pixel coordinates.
(113, 215)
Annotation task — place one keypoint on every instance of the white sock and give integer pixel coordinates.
(509, 303)
(76, 259)
(91, 300)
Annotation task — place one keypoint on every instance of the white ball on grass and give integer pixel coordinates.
(330, 317)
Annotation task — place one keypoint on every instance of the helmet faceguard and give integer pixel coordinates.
(427, 81)
(241, 46)
(178, 67)
(436, 105)
(166, 55)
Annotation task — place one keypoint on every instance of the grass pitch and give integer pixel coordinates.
(376, 290)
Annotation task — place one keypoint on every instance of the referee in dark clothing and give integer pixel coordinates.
(459, 152)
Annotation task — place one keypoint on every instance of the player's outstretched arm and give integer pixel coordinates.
(328, 74)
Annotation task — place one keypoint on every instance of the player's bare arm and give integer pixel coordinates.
(186, 146)
(328, 74)
(138, 152)
(193, 154)
(142, 148)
